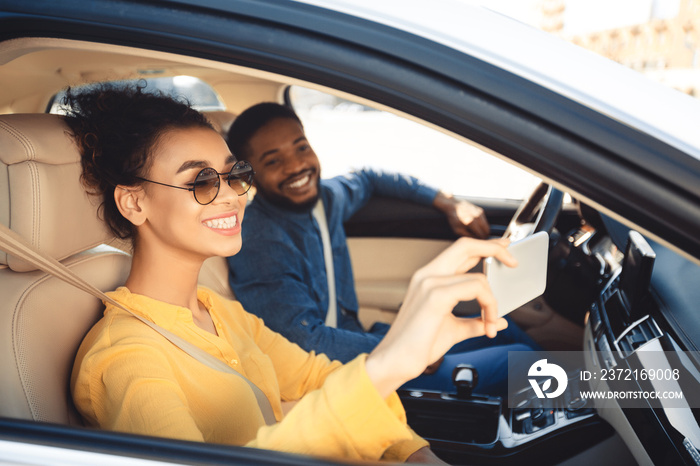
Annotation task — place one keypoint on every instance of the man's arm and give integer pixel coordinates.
(351, 192)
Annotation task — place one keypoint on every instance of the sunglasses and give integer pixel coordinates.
(206, 184)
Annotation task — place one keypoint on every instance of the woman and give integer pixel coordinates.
(156, 166)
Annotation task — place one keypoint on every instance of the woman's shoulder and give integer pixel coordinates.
(119, 325)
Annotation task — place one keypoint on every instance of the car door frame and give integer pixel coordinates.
(603, 160)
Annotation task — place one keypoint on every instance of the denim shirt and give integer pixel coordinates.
(280, 272)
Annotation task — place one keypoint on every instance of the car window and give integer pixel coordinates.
(198, 93)
(347, 135)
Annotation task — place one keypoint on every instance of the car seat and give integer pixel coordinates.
(43, 319)
(221, 120)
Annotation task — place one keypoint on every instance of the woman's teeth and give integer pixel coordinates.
(222, 223)
(299, 183)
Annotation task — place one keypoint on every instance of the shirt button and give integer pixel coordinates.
(234, 362)
(304, 323)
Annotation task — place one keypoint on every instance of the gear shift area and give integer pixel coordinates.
(460, 416)
(465, 378)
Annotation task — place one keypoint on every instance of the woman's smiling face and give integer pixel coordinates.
(175, 221)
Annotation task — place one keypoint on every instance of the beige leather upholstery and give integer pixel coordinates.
(42, 322)
(383, 268)
(221, 120)
(42, 198)
(214, 275)
(42, 319)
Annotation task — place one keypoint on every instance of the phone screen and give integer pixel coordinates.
(513, 287)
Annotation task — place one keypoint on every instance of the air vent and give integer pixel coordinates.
(637, 334)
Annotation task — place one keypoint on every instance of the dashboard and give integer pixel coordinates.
(640, 335)
(634, 352)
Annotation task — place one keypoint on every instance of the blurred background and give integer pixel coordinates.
(659, 38)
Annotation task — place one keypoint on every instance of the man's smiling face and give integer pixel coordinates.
(287, 170)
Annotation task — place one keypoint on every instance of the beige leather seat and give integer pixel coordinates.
(42, 319)
(221, 120)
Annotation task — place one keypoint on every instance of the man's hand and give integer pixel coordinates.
(465, 218)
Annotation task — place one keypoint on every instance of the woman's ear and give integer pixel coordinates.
(129, 202)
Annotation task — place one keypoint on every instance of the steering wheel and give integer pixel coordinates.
(537, 213)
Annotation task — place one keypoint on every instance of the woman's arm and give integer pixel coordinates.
(145, 387)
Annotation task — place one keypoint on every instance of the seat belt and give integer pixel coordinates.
(319, 213)
(13, 244)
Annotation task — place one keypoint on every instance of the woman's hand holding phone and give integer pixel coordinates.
(425, 328)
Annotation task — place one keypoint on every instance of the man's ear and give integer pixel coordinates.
(129, 202)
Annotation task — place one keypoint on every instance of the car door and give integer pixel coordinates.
(604, 157)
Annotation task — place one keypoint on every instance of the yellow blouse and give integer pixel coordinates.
(127, 377)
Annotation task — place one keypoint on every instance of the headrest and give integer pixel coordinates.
(221, 120)
(41, 197)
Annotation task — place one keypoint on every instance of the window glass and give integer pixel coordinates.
(346, 135)
(195, 91)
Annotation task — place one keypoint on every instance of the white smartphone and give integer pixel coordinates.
(513, 287)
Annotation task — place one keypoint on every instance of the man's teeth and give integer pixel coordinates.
(299, 183)
(222, 223)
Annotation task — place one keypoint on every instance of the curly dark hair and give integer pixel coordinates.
(250, 121)
(117, 129)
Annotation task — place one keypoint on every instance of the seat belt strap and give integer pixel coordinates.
(15, 245)
(319, 213)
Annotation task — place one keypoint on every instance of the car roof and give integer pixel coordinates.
(578, 74)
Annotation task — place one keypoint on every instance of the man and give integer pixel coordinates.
(280, 273)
